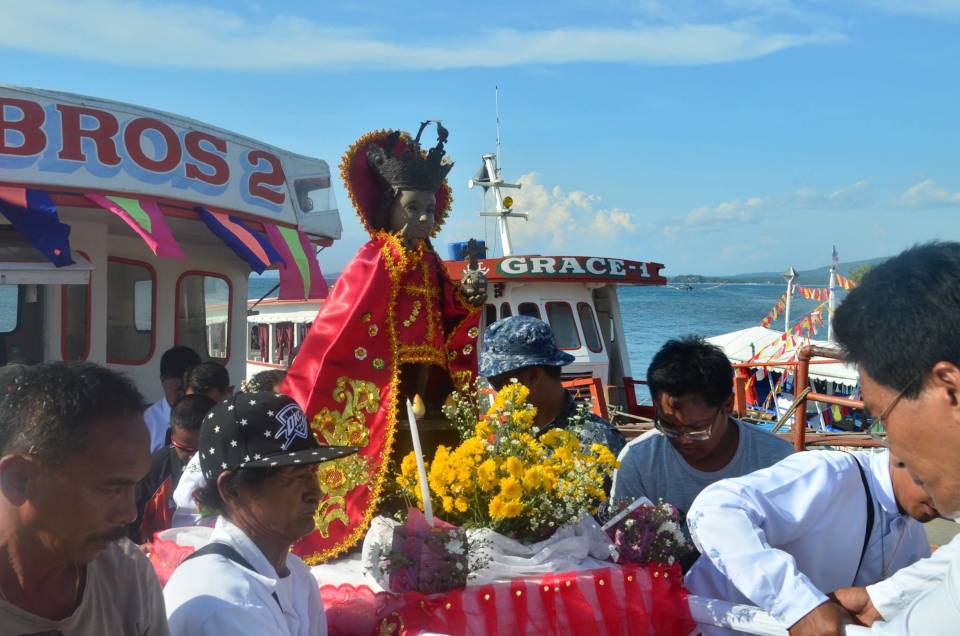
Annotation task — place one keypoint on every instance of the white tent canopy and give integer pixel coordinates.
(744, 345)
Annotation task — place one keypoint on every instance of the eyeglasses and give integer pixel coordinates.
(876, 427)
(186, 449)
(696, 435)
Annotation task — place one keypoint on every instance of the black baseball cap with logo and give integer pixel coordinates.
(260, 430)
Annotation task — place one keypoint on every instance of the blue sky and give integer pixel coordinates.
(715, 137)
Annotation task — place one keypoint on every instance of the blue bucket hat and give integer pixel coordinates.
(517, 342)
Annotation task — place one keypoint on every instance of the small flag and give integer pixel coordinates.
(836, 257)
(247, 244)
(300, 276)
(33, 214)
(145, 218)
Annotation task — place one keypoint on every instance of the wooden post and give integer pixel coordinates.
(740, 392)
(800, 383)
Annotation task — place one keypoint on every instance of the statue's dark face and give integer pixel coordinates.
(413, 215)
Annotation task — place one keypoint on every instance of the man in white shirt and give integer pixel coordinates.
(72, 449)
(258, 458)
(173, 365)
(900, 327)
(696, 441)
(783, 537)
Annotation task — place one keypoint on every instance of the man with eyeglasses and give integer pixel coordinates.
(696, 442)
(901, 327)
(524, 349)
(784, 537)
(155, 504)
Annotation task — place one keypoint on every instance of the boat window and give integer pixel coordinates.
(203, 315)
(131, 306)
(490, 314)
(75, 326)
(589, 325)
(528, 309)
(259, 342)
(9, 308)
(560, 317)
(505, 311)
(282, 342)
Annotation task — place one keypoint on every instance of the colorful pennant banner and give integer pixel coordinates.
(145, 218)
(843, 282)
(300, 276)
(807, 326)
(814, 293)
(252, 247)
(33, 214)
(775, 312)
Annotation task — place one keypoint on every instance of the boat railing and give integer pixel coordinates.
(802, 437)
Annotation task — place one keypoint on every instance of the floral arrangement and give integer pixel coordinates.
(506, 476)
(650, 533)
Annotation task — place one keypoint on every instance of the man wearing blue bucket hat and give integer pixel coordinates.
(525, 349)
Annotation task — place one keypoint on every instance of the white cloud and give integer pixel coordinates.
(918, 8)
(751, 209)
(927, 194)
(564, 221)
(188, 36)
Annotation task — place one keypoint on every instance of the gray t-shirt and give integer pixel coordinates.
(651, 467)
(122, 597)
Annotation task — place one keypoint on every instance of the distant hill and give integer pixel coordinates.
(814, 277)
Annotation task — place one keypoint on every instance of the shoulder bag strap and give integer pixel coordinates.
(870, 514)
(229, 553)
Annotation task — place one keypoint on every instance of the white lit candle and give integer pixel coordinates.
(421, 467)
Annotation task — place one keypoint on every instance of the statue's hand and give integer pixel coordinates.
(473, 286)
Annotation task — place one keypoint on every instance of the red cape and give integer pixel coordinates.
(390, 306)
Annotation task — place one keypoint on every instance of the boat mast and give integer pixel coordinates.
(832, 295)
(489, 176)
(790, 276)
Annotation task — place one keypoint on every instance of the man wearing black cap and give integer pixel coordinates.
(258, 457)
(524, 349)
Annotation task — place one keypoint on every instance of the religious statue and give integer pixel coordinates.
(395, 326)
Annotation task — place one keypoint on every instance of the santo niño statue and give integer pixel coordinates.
(394, 326)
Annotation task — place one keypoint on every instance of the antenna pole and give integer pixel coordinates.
(499, 156)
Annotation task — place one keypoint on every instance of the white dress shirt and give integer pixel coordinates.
(782, 537)
(923, 599)
(157, 418)
(214, 596)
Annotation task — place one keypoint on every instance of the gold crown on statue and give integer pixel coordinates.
(408, 168)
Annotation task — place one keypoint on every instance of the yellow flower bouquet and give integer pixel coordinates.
(506, 477)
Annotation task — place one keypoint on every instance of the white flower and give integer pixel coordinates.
(668, 526)
(455, 546)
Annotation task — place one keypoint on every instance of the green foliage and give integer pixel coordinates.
(857, 274)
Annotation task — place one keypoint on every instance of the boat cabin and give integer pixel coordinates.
(149, 272)
(275, 329)
(577, 296)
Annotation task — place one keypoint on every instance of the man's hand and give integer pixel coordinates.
(856, 601)
(826, 619)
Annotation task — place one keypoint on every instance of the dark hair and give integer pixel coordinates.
(205, 376)
(189, 411)
(905, 316)
(265, 380)
(691, 366)
(47, 410)
(208, 496)
(175, 361)
(501, 379)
